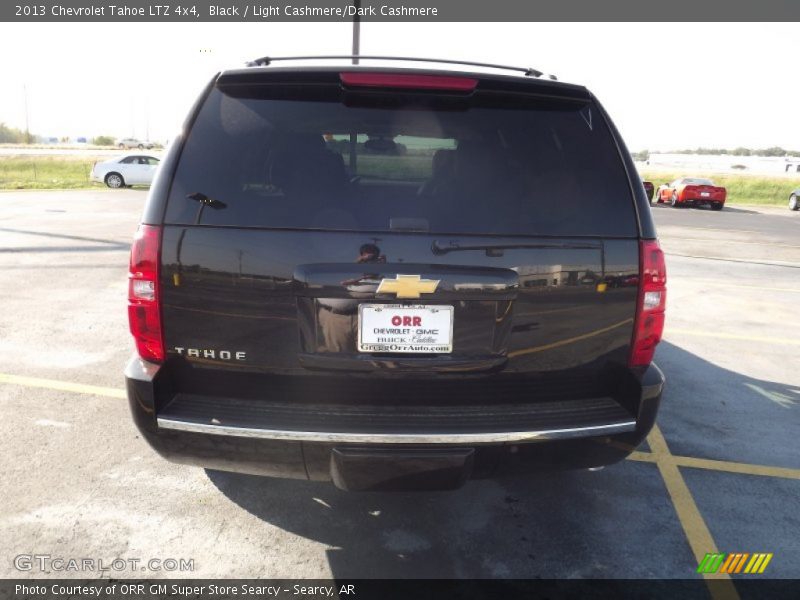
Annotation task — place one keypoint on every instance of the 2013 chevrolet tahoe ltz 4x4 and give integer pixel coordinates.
(394, 278)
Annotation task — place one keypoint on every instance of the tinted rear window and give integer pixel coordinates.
(487, 166)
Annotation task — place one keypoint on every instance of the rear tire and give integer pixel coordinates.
(794, 202)
(673, 201)
(121, 146)
(716, 206)
(115, 181)
(140, 147)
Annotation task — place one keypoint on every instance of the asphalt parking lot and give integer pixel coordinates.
(720, 473)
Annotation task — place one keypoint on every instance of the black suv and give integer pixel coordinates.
(395, 278)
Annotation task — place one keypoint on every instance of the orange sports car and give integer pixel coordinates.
(692, 191)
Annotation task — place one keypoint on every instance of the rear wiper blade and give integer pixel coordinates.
(206, 201)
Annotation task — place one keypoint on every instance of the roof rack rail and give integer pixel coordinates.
(267, 60)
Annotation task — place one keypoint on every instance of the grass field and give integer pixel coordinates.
(45, 173)
(742, 189)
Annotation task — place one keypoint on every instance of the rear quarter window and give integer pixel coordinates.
(527, 167)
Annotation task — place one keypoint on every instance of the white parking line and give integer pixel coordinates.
(770, 244)
(768, 263)
(758, 288)
(762, 339)
(715, 229)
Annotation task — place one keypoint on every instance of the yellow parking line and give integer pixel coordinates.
(64, 386)
(694, 527)
(717, 465)
(568, 340)
(733, 336)
(735, 467)
(640, 456)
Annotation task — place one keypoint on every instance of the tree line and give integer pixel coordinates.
(740, 151)
(12, 135)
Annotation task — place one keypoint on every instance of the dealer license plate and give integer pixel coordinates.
(405, 329)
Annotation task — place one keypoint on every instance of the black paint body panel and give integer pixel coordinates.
(256, 291)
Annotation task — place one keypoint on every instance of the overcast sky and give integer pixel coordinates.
(666, 86)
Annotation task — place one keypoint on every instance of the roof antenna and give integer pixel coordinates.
(353, 145)
(356, 31)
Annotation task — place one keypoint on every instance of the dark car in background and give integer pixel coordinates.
(649, 190)
(394, 281)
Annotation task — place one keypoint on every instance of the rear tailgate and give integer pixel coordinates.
(321, 229)
(266, 300)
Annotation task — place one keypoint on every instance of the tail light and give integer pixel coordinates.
(144, 306)
(649, 322)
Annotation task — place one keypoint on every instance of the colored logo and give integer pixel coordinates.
(408, 286)
(741, 562)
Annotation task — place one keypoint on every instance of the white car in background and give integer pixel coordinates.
(131, 169)
(128, 143)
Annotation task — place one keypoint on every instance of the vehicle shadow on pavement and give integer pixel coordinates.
(727, 208)
(547, 524)
(559, 524)
(708, 411)
(113, 244)
(744, 211)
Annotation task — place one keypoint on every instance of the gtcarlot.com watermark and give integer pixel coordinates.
(46, 563)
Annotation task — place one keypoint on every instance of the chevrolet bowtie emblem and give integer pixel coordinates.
(408, 286)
